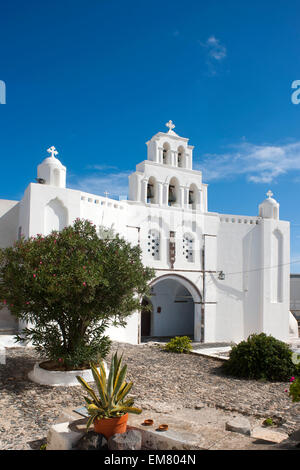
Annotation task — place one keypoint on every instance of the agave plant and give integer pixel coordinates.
(112, 392)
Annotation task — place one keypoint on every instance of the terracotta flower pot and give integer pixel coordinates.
(110, 426)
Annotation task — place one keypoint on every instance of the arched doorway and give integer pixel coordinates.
(176, 308)
(146, 314)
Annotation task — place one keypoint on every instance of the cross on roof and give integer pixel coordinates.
(170, 125)
(270, 194)
(53, 151)
(106, 193)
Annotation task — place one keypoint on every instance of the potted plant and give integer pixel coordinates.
(109, 410)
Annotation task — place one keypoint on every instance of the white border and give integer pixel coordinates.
(60, 378)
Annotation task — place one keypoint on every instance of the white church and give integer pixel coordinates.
(219, 277)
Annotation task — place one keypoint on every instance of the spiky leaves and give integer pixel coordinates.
(112, 391)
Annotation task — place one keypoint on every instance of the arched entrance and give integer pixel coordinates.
(176, 308)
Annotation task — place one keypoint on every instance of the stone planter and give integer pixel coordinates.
(60, 378)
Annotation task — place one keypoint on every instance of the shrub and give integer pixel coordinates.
(295, 390)
(260, 357)
(179, 344)
(268, 422)
(70, 286)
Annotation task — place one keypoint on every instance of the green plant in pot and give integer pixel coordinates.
(109, 410)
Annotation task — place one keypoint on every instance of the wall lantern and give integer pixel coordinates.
(221, 276)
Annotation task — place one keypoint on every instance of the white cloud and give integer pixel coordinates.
(215, 49)
(101, 167)
(258, 163)
(116, 184)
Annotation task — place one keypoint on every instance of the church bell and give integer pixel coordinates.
(150, 194)
(191, 198)
(172, 196)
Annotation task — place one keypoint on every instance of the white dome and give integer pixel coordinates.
(270, 202)
(269, 208)
(51, 171)
(53, 161)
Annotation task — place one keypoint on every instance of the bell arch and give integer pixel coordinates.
(152, 190)
(173, 192)
(166, 154)
(181, 157)
(193, 196)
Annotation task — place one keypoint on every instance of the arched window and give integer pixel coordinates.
(188, 247)
(173, 194)
(56, 216)
(151, 190)
(154, 244)
(193, 196)
(180, 157)
(166, 153)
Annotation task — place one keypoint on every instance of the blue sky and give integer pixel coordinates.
(98, 78)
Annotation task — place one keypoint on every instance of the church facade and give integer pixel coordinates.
(219, 277)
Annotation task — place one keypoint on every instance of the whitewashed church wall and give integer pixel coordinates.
(238, 308)
(41, 196)
(129, 334)
(9, 221)
(275, 309)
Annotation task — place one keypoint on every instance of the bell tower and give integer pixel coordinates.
(167, 177)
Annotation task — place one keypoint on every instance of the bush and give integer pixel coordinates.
(179, 344)
(295, 390)
(260, 357)
(70, 286)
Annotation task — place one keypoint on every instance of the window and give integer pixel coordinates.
(153, 244)
(188, 247)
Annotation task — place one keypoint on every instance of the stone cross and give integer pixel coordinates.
(269, 194)
(106, 193)
(170, 125)
(53, 151)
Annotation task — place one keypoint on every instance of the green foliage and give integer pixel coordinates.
(70, 286)
(43, 447)
(295, 390)
(268, 422)
(179, 344)
(260, 357)
(112, 391)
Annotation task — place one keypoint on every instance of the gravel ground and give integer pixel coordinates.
(162, 382)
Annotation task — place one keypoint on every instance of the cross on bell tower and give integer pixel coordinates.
(53, 151)
(270, 194)
(170, 125)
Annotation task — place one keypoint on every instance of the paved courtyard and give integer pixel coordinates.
(163, 382)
